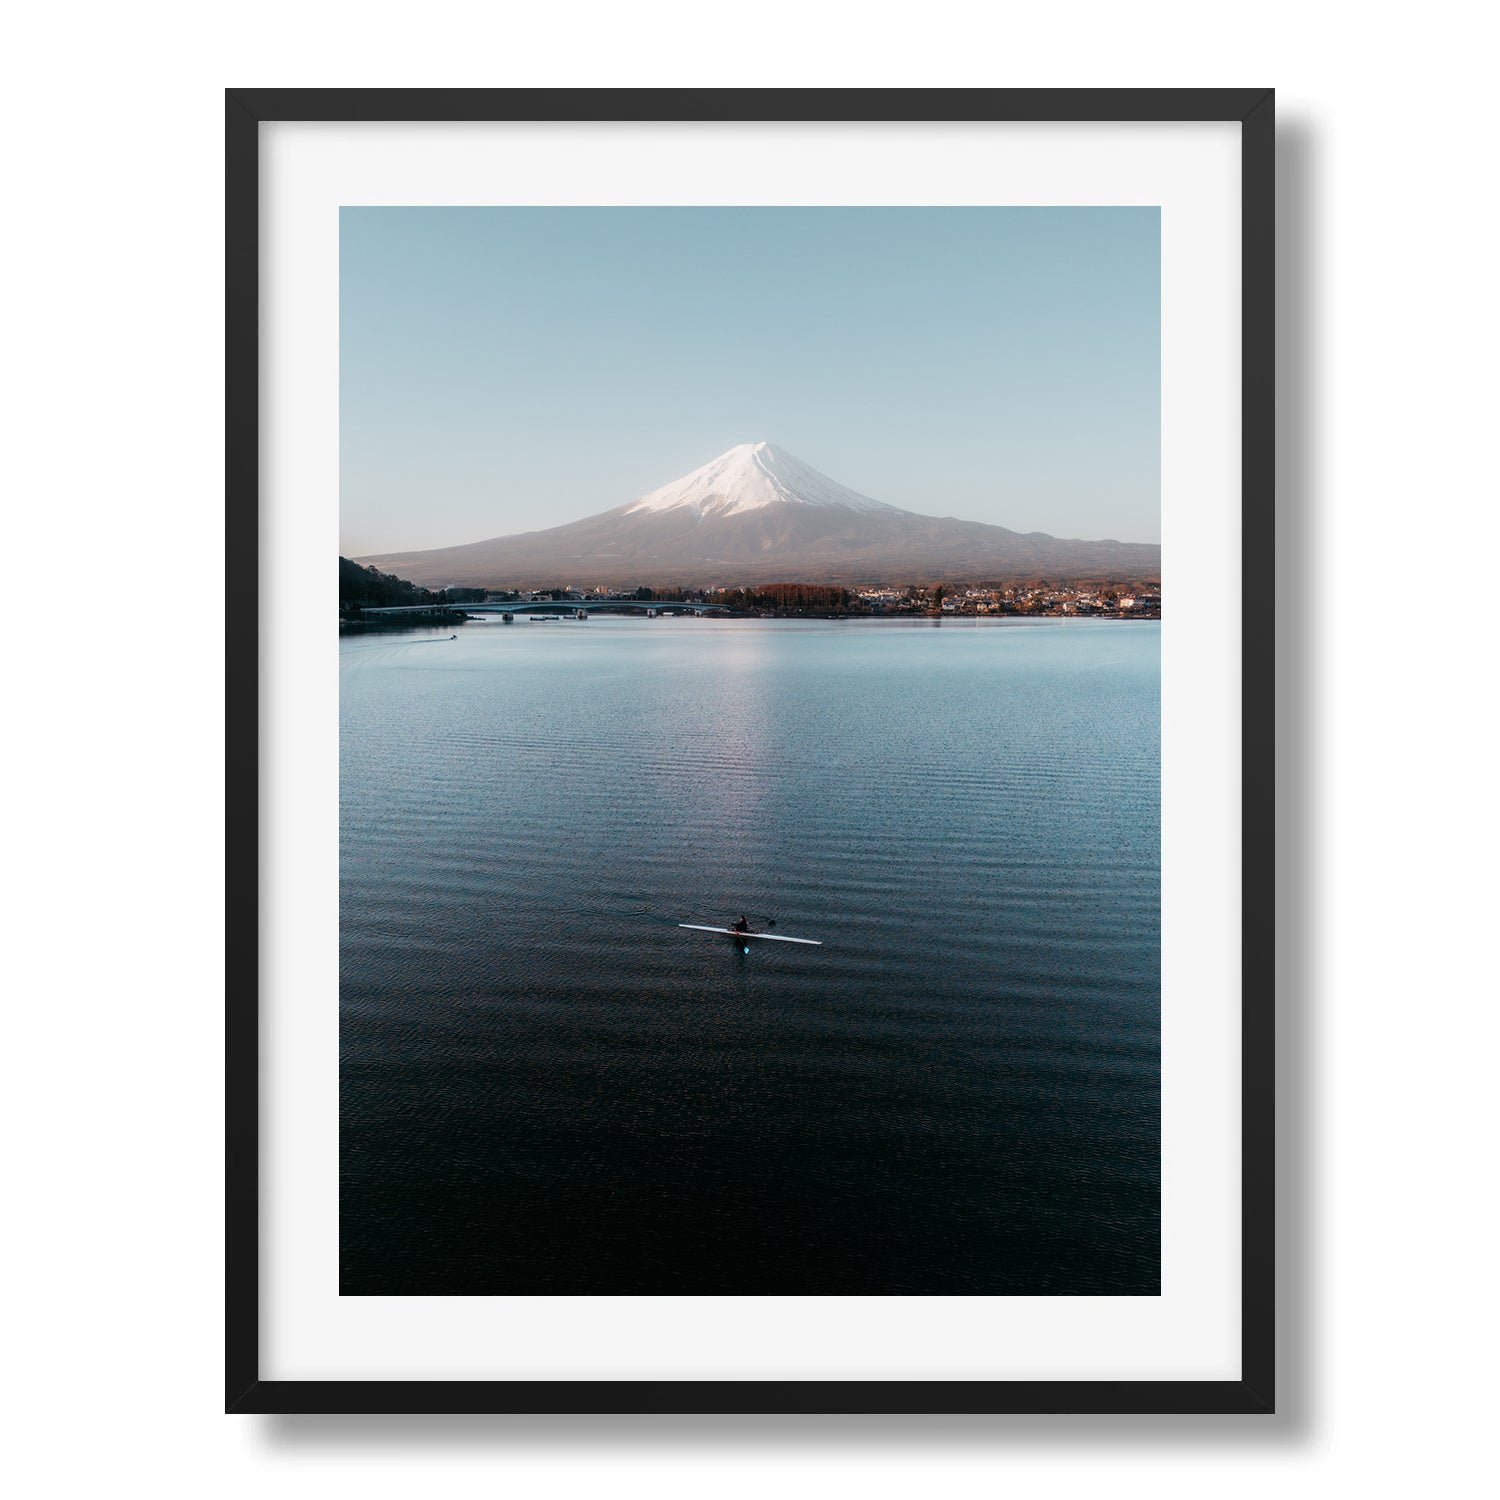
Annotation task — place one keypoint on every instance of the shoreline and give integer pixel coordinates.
(440, 619)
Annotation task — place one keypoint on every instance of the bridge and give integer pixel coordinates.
(570, 609)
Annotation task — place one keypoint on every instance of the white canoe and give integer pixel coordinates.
(766, 937)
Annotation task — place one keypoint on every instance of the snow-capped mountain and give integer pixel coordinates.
(752, 476)
(756, 514)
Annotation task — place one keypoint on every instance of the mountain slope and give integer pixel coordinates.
(757, 514)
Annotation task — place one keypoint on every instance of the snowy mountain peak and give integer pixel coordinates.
(751, 476)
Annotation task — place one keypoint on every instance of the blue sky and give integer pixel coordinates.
(507, 369)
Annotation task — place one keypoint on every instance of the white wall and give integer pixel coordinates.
(1388, 498)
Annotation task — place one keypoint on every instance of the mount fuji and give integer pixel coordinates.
(756, 514)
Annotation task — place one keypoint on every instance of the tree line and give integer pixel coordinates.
(360, 586)
(785, 596)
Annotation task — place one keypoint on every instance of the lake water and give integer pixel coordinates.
(548, 1087)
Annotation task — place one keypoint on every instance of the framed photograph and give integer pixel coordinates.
(765, 905)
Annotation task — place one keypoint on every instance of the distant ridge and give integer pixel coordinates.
(755, 514)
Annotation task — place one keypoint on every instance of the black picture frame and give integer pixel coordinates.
(245, 1391)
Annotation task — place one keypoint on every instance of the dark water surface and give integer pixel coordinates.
(548, 1087)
